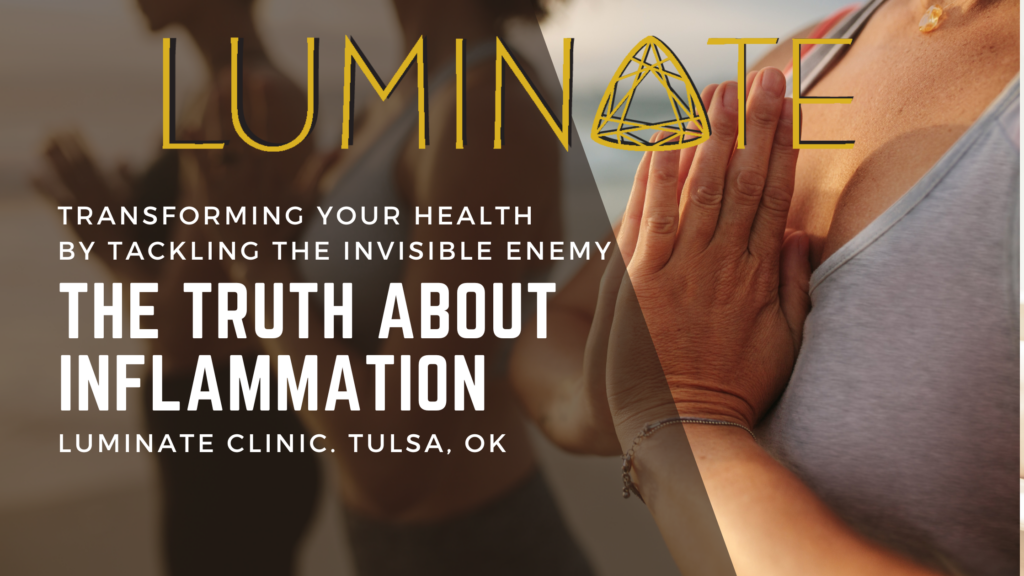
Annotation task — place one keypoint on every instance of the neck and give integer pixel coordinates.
(213, 29)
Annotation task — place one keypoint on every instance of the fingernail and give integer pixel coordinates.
(773, 81)
(730, 97)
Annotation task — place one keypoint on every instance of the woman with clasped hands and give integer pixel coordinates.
(722, 288)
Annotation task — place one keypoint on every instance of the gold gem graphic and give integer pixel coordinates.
(618, 124)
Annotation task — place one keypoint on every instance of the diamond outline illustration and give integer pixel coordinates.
(614, 129)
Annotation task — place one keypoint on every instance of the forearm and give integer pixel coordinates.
(561, 379)
(551, 383)
(770, 521)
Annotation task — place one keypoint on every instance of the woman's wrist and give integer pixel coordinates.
(630, 424)
(654, 461)
(712, 402)
(594, 419)
(686, 403)
(658, 461)
(711, 442)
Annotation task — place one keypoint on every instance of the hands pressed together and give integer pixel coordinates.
(713, 276)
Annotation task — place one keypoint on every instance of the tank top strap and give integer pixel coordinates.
(846, 23)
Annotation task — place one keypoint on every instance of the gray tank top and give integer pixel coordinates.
(902, 411)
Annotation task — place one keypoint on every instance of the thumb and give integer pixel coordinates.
(795, 280)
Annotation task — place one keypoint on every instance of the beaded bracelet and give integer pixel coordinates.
(627, 458)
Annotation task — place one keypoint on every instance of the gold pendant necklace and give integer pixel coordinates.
(931, 20)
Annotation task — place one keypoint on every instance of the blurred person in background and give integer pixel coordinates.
(226, 513)
(887, 446)
(423, 513)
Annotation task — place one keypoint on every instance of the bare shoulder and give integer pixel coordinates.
(782, 54)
